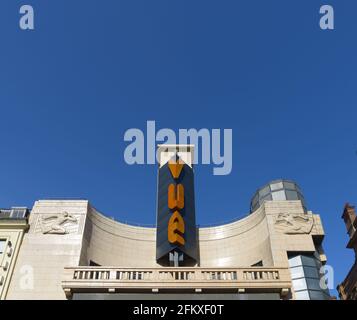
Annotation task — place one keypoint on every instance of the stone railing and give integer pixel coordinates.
(110, 279)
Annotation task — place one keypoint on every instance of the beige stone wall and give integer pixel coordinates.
(43, 256)
(238, 244)
(111, 243)
(241, 243)
(267, 234)
(293, 241)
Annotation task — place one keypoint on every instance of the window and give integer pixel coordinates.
(297, 272)
(263, 192)
(299, 284)
(255, 200)
(267, 198)
(304, 269)
(2, 246)
(18, 213)
(279, 195)
(291, 195)
(302, 295)
(276, 186)
(5, 213)
(308, 261)
(289, 185)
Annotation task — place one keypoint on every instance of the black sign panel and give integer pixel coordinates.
(164, 213)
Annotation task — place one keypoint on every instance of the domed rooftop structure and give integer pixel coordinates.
(277, 190)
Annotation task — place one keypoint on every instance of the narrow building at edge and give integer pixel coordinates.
(66, 249)
(348, 288)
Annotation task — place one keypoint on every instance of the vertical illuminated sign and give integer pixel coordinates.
(176, 240)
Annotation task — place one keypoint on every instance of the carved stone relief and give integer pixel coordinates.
(294, 223)
(62, 223)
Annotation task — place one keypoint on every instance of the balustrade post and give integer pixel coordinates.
(112, 274)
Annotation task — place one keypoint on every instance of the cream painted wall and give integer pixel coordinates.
(12, 232)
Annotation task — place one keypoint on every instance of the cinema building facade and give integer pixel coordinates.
(66, 249)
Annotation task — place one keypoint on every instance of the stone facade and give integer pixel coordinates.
(348, 288)
(73, 251)
(74, 234)
(54, 241)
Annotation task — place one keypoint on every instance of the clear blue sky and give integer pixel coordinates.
(92, 69)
